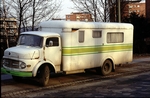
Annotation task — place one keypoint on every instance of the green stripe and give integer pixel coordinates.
(84, 50)
(16, 73)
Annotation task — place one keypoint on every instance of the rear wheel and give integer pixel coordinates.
(106, 68)
(44, 74)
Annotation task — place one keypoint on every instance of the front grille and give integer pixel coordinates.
(11, 63)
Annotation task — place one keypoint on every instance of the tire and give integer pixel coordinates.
(44, 75)
(106, 68)
(17, 79)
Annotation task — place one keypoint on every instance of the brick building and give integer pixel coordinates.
(79, 16)
(8, 30)
(137, 7)
(128, 7)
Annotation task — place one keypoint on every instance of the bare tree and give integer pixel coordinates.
(100, 9)
(43, 10)
(18, 9)
(114, 13)
(31, 12)
(5, 10)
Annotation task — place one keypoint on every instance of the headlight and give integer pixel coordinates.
(13, 64)
(22, 65)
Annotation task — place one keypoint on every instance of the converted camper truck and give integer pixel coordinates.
(69, 47)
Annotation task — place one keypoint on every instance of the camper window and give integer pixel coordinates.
(97, 34)
(115, 37)
(81, 36)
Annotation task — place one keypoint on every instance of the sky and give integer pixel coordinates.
(67, 6)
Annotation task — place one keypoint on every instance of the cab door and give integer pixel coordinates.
(53, 50)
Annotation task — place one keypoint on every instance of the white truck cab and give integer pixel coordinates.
(65, 46)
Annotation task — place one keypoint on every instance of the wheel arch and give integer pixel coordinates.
(37, 67)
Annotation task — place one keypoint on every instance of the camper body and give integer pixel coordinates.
(69, 47)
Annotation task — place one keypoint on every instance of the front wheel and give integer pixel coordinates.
(44, 74)
(106, 68)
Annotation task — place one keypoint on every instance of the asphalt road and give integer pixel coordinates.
(128, 86)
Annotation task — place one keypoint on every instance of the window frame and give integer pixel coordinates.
(110, 40)
(55, 44)
(95, 33)
(81, 36)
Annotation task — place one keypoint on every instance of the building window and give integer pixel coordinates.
(134, 5)
(115, 37)
(81, 36)
(97, 34)
(68, 16)
(130, 6)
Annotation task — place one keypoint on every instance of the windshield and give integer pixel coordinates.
(30, 40)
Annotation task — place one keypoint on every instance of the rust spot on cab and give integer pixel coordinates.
(37, 58)
(44, 59)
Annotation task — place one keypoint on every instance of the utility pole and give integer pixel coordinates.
(119, 12)
(94, 8)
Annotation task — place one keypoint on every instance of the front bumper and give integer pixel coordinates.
(16, 73)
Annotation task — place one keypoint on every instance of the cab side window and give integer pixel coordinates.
(53, 41)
